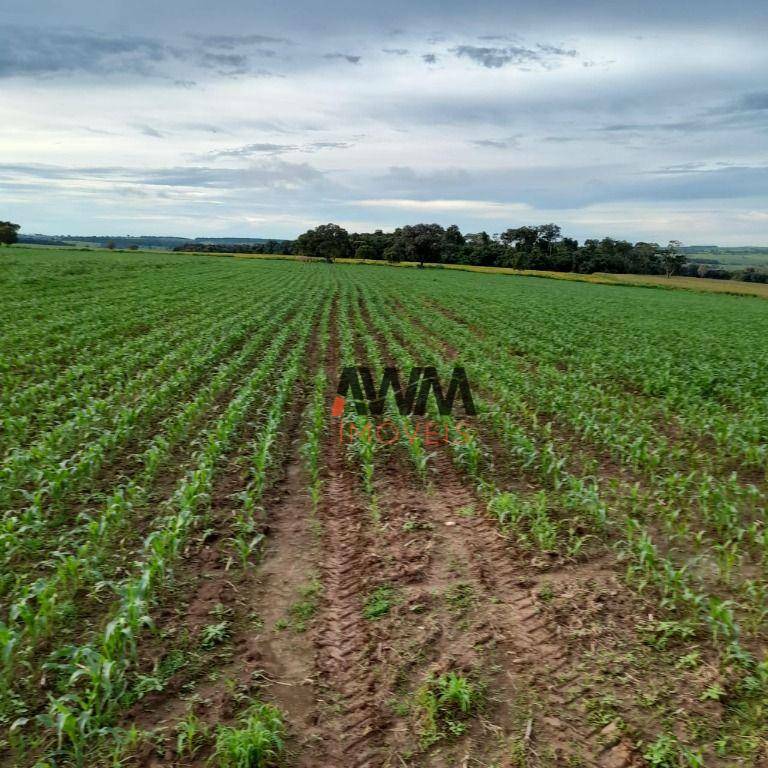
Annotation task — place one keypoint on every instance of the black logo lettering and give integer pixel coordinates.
(358, 380)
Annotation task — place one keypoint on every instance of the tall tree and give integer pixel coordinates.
(549, 235)
(520, 238)
(482, 250)
(328, 241)
(423, 242)
(673, 258)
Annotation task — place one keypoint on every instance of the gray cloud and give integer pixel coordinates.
(349, 58)
(27, 51)
(494, 143)
(202, 127)
(274, 174)
(700, 166)
(249, 150)
(576, 187)
(225, 63)
(749, 102)
(96, 131)
(495, 58)
(311, 18)
(330, 145)
(662, 131)
(406, 181)
(754, 101)
(675, 125)
(745, 113)
(266, 148)
(148, 130)
(238, 41)
(428, 109)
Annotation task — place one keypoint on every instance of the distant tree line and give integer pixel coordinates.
(130, 242)
(700, 268)
(530, 247)
(285, 247)
(540, 247)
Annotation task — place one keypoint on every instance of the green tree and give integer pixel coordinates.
(422, 242)
(482, 250)
(328, 241)
(520, 238)
(673, 258)
(453, 245)
(8, 232)
(365, 251)
(644, 258)
(521, 243)
(549, 235)
(394, 253)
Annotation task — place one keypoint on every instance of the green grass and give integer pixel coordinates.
(256, 741)
(379, 603)
(302, 611)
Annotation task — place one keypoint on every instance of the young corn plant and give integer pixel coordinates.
(100, 667)
(442, 706)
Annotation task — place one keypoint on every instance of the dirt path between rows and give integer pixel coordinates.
(537, 656)
(351, 723)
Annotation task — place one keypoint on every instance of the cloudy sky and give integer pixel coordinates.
(644, 120)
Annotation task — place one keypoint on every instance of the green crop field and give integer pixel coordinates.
(207, 559)
(735, 258)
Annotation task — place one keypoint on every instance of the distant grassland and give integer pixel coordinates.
(733, 287)
(703, 285)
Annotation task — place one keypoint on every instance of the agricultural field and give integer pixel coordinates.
(736, 258)
(207, 558)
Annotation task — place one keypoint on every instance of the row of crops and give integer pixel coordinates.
(623, 425)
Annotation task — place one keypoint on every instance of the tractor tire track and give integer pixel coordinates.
(535, 646)
(351, 734)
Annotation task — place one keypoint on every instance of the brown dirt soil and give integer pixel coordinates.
(513, 634)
